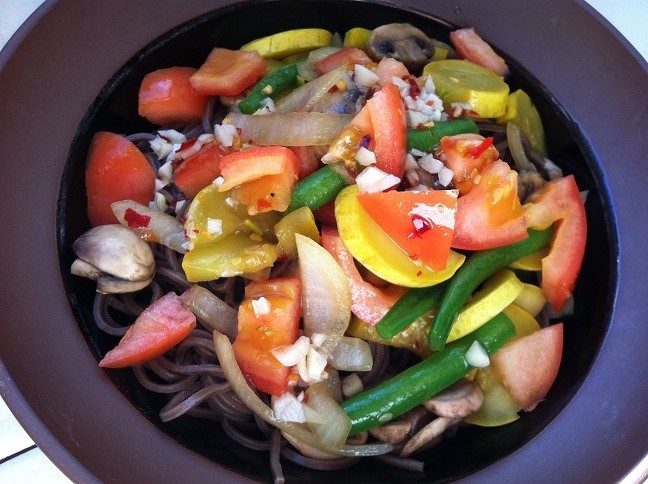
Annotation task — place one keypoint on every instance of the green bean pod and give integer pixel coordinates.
(413, 304)
(318, 188)
(422, 381)
(427, 139)
(476, 270)
(271, 85)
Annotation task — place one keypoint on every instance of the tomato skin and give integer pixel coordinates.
(347, 56)
(309, 162)
(199, 170)
(415, 221)
(368, 302)
(490, 215)
(161, 326)
(116, 170)
(472, 47)
(528, 366)
(387, 113)
(389, 67)
(228, 72)
(456, 153)
(259, 334)
(560, 201)
(166, 97)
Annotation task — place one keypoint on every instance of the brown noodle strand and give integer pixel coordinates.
(275, 453)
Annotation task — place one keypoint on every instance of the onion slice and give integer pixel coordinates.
(351, 354)
(305, 97)
(226, 358)
(160, 227)
(326, 296)
(211, 310)
(290, 129)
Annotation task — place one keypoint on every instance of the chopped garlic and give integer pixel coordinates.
(260, 306)
(430, 164)
(315, 364)
(175, 137)
(373, 179)
(161, 147)
(476, 356)
(288, 408)
(218, 181)
(364, 77)
(267, 106)
(225, 134)
(365, 157)
(445, 176)
(215, 226)
(318, 339)
(352, 385)
(290, 355)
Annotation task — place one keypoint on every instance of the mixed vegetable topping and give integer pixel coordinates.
(325, 200)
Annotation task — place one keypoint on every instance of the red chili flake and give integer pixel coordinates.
(282, 258)
(419, 273)
(334, 89)
(263, 204)
(420, 224)
(188, 144)
(481, 147)
(415, 90)
(136, 220)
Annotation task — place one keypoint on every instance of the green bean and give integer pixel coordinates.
(416, 384)
(318, 188)
(269, 86)
(427, 139)
(413, 304)
(476, 270)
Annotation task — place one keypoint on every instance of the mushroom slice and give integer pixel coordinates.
(403, 42)
(393, 432)
(457, 401)
(428, 435)
(115, 257)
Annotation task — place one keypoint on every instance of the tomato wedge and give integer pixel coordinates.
(490, 215)
(166, 97)
(161, 326)
(420, 222)
(389, 67)
(387, 113)
(116, 170)
(199, 170)
(560, 201)
(466, 155)
(228, 72)
(528, 366)
(472, 47)
(368, 302)
(268, 318)
(348, 56)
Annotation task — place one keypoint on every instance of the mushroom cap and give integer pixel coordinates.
(115, 257)
(457, 401)
(403, 42)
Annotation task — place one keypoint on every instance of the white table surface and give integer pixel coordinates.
(21, 461)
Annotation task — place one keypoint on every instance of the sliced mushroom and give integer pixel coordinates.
(393, 432)
(115, 257)
(428, 435)
(312, 452)
(418, 418)
(457, 401)
(403, 42)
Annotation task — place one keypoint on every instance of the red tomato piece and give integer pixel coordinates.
(199, 170)
(389, 67)
(466, 156)
(368, 302)
(161, 326)
(228, 72)
(166, 97)
(326, 214)
(421, 223)
(490, 214)
(309, 161)
(389, 129)
(528, 366)
(274, 323)
(348, 56)
(116, 170)
(560, 201)
(473, 48)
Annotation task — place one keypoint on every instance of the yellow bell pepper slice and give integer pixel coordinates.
(525, 323)
(498, 407)
(289, 42)
(373, 248)
(464, 82)
(300, 221)
(521, 110)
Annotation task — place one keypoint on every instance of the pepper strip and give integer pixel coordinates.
(416, 384)
(476, 270)
(269, 86)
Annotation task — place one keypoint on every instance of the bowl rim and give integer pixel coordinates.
(625, 330)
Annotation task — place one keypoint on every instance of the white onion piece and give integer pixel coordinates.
(286, 407)
(476, 356)
(226, 358)
(365, 157)
(162, 227)
(352, 385)
(211, 310)
(372, 180)
(334, 384)
(445, 176)
(290, 129)
(351, 354)
(363, 76)
(326, 297)
(305, 97)
(337, 424)
(430, 164)
(290, 355)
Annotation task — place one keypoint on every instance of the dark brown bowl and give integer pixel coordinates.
(78, 70)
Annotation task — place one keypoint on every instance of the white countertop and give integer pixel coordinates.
(20, 460)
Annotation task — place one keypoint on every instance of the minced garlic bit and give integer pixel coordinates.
(288, 408)
(437, 214)
(267, 106)
(218, 181)
(225, 134)
(260, 306)
(423, 107)
(215, 226)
